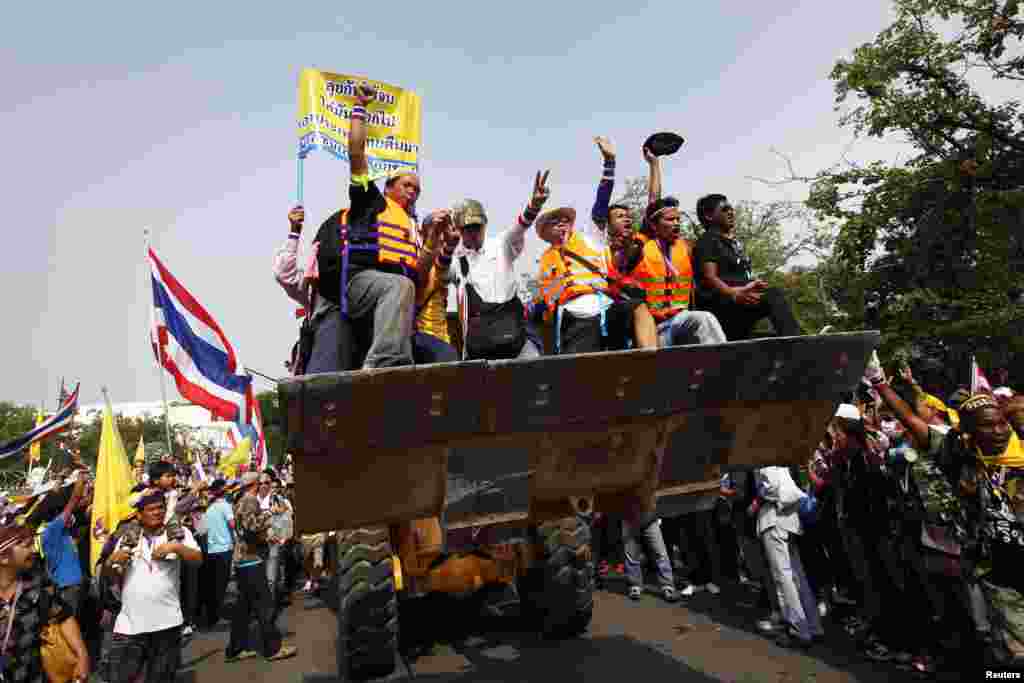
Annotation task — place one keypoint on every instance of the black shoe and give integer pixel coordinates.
(789, 640)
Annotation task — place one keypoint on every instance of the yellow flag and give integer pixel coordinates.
(140, 453)
(36, 449)
(239, 456)
(113, 483)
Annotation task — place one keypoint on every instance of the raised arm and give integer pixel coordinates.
(653, 176)
(599, 214)
(365, 94)
(515, 237)
(287, 272)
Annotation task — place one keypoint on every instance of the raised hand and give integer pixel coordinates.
(451, 236)
(296, 217)
(605, 145)
(365, 93)
(541, 191)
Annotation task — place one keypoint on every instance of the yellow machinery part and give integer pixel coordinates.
(418, 542)
(396, 567)
(467, 573)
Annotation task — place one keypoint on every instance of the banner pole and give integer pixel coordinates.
(159, 365)
(299, 181)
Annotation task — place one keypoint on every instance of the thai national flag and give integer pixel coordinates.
(979, 383)
(190, 345)
(53, 424)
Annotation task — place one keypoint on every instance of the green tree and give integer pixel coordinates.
(273, 426)
(931, 251)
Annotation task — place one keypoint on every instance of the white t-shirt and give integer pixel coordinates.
(150, 595)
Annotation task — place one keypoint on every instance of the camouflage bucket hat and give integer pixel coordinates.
(469, 212)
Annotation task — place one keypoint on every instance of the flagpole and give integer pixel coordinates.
(159, 367)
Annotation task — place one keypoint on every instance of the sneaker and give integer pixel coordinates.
(635, 593)
(791, 640)
(187, 631)
(286, 652)
(244, 654)
(713, 588)
(768, 625)
(841, 599)
(877, 652)
(822, 609)
(669, 594)
(691, 590)
(308, 588)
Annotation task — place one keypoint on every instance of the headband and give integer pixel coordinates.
(977, 402)
(148, 497)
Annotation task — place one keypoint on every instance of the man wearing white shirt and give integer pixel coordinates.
(778, 525)
(147, 632)
(485, 277)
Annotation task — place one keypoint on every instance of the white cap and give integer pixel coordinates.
(848, 411)
(1003, 392)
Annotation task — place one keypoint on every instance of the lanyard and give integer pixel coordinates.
(10, 619)
(666, 257)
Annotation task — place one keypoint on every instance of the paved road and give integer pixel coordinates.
(706, 640)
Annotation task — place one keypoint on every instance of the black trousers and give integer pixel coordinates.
(253, 596)
(219, 573)
(738, 321)
(190, 587)
(703, 555)
(583, 335)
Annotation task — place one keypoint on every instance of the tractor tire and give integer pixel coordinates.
(566, 603)
(367, 605)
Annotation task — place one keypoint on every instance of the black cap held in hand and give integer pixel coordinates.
(664, 144)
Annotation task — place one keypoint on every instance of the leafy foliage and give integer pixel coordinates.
(931, 251)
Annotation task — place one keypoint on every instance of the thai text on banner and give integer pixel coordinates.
(325, 109)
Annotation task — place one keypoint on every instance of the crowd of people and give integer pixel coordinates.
(904, 527)
(888, 525)
(907, 524)
(374, 288)
(162, 574)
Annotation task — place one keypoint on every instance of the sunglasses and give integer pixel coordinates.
(473, 227)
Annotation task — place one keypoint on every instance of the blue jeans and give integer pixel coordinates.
(652, 538)
(690, 327)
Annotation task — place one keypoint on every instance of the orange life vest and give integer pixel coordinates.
(563, 278)
(389, 242)
(667, 288)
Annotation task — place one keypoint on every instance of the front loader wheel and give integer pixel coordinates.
(367, 605)
(566, 603)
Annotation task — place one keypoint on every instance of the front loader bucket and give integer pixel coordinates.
(497, 442)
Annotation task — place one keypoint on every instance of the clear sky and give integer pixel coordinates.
(180, 117)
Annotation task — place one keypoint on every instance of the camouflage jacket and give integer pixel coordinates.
(252, 529)
(131, 532)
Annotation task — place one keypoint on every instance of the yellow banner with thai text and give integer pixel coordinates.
(325, 110)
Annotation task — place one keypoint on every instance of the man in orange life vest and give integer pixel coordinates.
(665, 272)
(369, 259)
(575, 276)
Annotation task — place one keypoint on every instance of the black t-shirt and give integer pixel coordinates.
(733, 263)
(364, 207)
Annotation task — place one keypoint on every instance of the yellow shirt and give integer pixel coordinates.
(432, 305)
